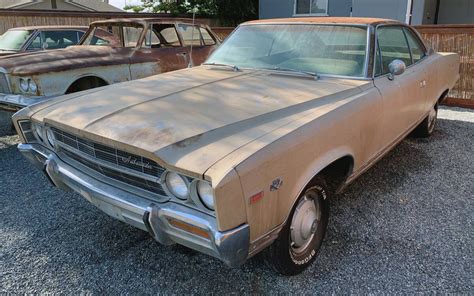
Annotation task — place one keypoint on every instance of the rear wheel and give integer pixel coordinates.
(300, 239)
(427, 126)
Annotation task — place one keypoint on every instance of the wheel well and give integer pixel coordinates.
(86, 82)
(443, 96)
(336, 173)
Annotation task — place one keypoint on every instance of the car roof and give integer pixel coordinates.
(144, 21)
(29, 28)
(325, 20)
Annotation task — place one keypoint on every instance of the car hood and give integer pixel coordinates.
(62, 59)
(189, 119)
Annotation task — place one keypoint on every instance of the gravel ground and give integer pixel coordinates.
(403, 227)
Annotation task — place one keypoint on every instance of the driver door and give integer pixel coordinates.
(160, 52)
(403, 98)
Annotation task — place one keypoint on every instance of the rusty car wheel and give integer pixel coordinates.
(300, 239)
(427, 126)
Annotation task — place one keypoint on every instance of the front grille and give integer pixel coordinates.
(4, 87)
(119, 165)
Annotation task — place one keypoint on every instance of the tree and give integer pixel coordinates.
(229, 12)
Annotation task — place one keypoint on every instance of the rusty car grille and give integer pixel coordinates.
(119, 165)
(4, 87)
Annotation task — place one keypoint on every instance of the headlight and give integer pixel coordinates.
(177, 185)
(32, 86)
(38, 131)
(24, 84)
(50, 137)
(206, 194)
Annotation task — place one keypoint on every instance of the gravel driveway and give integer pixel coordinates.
(405, 226)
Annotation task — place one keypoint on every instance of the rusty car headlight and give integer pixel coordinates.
(177, 185)
(206, 194)
(32, 86)
(24, 85)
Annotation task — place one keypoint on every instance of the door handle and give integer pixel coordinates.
(182, 53)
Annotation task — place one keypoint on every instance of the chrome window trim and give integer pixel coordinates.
(32, 37)
(377, 46)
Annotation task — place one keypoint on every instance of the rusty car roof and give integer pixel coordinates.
(28, 28)
(325, 20)
(145, 21)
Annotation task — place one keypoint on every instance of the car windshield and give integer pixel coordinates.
(114, 35)
(321, 49)
(14, 39)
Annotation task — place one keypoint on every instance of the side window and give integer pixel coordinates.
(59, 39)
(393, 46)
(131, 36)
(162, 35)
(416, 47)
(191, 35)
(36, 43)
(207, 37)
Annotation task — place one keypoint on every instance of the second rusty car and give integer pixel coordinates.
(111, 51)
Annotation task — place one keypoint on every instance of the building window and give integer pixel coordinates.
(311, 7)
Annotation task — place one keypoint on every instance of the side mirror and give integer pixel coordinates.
(396, 67)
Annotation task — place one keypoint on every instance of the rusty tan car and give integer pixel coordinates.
(241, 154)
(111, 51)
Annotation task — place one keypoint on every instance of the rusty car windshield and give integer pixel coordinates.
(116, 35)
(14, 39)
(322, 49)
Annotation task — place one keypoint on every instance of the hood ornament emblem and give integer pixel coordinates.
(134, 161)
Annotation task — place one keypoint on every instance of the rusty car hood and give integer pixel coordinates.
(79, 56)
(191, 118)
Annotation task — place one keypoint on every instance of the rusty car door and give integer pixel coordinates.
(199, 41)
(160, 52)
(403, 98)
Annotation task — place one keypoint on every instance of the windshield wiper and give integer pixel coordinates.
(234, 67)
(307, 73)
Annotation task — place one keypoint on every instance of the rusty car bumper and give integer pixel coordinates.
(13, 102)
(159, 219)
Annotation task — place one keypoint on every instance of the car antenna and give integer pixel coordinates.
(190, 64)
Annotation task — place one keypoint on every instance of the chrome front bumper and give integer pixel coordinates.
(231, 246)
(13, 102)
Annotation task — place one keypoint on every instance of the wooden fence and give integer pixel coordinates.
(459, 39)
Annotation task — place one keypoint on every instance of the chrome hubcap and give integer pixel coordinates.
(305, 222)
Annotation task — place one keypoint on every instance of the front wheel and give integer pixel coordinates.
(300, 239)
(427, 126)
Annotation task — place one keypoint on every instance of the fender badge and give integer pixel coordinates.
(276, 184)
